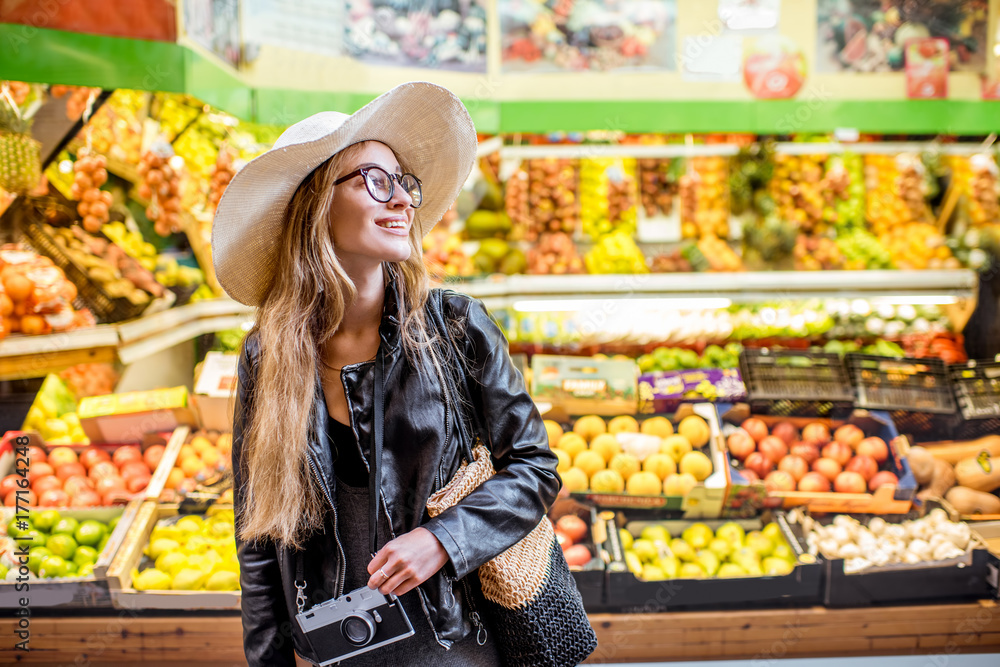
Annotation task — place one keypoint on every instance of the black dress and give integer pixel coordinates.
(352, 512)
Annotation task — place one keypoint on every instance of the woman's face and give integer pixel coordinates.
(365, 231)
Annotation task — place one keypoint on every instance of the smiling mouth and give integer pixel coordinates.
(392, 224)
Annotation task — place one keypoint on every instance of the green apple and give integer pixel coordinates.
(732, 532)
(633, 562)
(730, 570)
(625, 538)
(778, 566)
(645, 550)
(682, 550)
(709, 561)
(670, 565)
(721, 548)
(760, 543)
(653, 573)
(691, 571)
(698, 535)
(655, 533)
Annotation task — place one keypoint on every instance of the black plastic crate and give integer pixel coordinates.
(791, 383)
(976, 386)
(16, 397)
(916, 393)
(104, 306)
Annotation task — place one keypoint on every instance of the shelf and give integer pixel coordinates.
(917, 286)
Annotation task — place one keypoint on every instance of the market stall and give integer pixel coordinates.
(758, 331)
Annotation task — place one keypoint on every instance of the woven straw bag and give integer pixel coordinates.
(528, 593)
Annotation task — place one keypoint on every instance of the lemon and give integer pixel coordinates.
(196, 544)
(151, 579)
(161, 546)
(189, 525)
(188, 579)
(223, 581)
(171, 562)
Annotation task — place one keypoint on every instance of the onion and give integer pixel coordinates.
(849, 550)
(877, 525)
(921, 548)
(895, 531)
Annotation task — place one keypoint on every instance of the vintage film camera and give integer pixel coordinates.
(354, 623)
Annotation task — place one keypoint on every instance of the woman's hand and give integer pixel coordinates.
(408, 561)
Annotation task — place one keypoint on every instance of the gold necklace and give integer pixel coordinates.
(334, 368)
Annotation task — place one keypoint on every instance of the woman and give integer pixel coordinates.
(323, 234)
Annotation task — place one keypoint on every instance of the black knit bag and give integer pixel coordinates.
(526, 593)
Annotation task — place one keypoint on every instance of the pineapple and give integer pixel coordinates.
(20, 155)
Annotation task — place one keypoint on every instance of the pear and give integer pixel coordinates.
(682, 550)
(656, 533)
(709, 561)
(698, 535)
(645, 550)
(776, 566)
(732, 532)
(188, 579)
(151, 579)
(670, 565)
(721, 548)
(730, 570)
(223, 581)
(760, 543)
(691, 571)
(653, 573)
(773, 531)
(633, 563)
(784, 552)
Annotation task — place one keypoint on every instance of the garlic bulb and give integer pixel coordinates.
(856, 565)
(849, 550)
(921, 548)
(841, 535)
(911, 558)
(958, 533)
(877, 525)
(829, 548)
(844, 521)
(894, 546)
(866, 541)
(939, 538)
(878, 557)
(947, 550)
(895, 531)
(937, 516)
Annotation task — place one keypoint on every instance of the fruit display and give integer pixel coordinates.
(203, 459)
(106, 265)
(983, 190)
(897, 191)
(37, 298)
(965, 474)
(573, 534)
(608, 196)
(114, 130)
(878, 543)
(90, 173)
(498, 256)
(79, 98)
(222, 173)
(845, 178)
(61, 546)
(190, 552)
(171, 273)
(554, 253)
(710, 253)
(813, 460)
(444, 256)
(679, 358)
(20, 157)
(161, 187)
(698, 552)
(616, 252)
(704, 198)
(53, 413)
(134, 245)
(93, 476)
(546, 200)
(95, 379)
(670, 262)
(516, 201)
(622, 455)
(769, 242)
(486, 224)
(918, 245)
(798, 189)
(862, 250)
(657, 185)
(817, 253)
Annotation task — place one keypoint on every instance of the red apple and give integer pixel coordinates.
(563, 540)
(134, 469)
(750, 475)
(36, 454)
(849, 434)
(882, 478)
(839, 452)
(152, 456)
(875, 448)
(9, 483)
(759, 464)
(816, 433)
(795, 466)
(756, 428)
(774, 448)
(573, 526)
(54, 498)
(28, 498)
(786, 432)
(67, 470)
(36, 470)
(865, 465)
(577, 555)
(740, 444)
(806, 450)
(92, 455)
(110, 483)
(850, 482)
(43, 484)
(116, 497)
(126, 453)
(85, 498)
(74, 485)
(828, 468)
(813, 482)
(61, 455)
(102, 469)
(137, 483)
(779, 480)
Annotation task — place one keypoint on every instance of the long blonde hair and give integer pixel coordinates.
(303, 309)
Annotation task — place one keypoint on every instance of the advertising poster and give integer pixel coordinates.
(927, 69)
(438, 34)
(590, 35)
(871, 35)
(215, 25)
(773, 67)
(312, 26)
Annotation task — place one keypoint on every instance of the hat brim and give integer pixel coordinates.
(424, 124)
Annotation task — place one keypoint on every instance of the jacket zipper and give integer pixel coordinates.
(341, 570)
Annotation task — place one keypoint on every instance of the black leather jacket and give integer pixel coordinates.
(420, 455)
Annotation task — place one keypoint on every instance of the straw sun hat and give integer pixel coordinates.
(424, 124)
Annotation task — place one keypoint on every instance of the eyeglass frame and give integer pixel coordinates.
(393, 179)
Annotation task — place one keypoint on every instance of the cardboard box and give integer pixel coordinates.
(664, 391)
(214, 395)
(585, 386)
(125, 418)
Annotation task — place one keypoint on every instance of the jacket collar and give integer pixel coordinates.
(389, 329)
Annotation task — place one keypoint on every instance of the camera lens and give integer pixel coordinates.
(359, 629)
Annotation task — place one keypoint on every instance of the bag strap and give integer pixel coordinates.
(463, 372)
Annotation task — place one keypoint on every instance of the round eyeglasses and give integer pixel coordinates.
(381, 187)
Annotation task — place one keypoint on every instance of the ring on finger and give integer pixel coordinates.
(382, 572)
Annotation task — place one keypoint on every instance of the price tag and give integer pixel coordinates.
(659, 229)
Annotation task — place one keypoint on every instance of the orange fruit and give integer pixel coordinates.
(192, 465)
